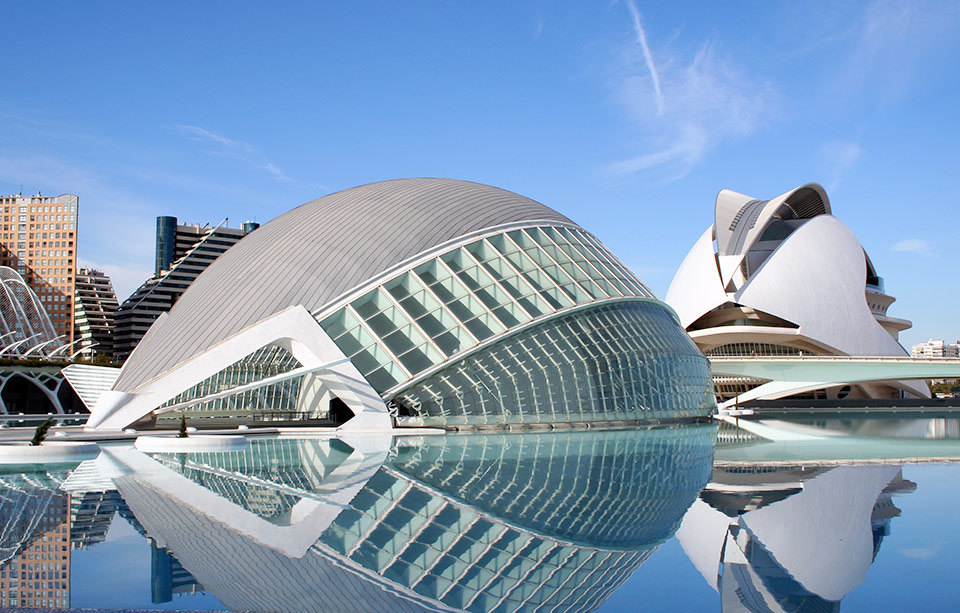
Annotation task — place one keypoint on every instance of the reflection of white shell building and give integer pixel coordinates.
(790, 539)
(784, 277)
(454, 302)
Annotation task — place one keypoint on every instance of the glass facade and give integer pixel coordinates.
(535, 325)
(461, 298)
(615, 361)
(758, 350)
(278, 400)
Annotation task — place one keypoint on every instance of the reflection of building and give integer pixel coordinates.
(34, 543)
(936, 349)
(168, 577)
(783, 277)
(90, 516)
(790, 539)
(94, 307)
(459, 304)
(183, 252)
(38, 239)
(553, 520)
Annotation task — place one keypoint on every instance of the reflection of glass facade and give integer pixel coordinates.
(424, 316)
(619, 361)
(509, 522)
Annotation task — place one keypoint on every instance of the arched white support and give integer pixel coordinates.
(295, 330)
(64, 348)
(309, 518)
(42, 345)
(13, 346)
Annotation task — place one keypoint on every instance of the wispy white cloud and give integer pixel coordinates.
(892, 42)
(914, 245)
(235, 149)
(838, 158)
(685, 105)
(647, 55)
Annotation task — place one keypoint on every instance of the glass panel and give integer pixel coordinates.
(431, 272)
(420, 358)
(338, 323)
(370, 303)
(453, 340)
(484, 326)
(501, 244)
(482, 251)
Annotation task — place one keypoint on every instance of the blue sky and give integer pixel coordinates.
(627, 117)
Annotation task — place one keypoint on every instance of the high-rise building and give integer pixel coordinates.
(936, 349)
(94, 306)
(183, 252)
(38, 239)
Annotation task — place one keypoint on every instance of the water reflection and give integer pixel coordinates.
(35, 539)
(492, 522)
(790, 538)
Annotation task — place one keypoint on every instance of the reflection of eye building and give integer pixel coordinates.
(790, 539)
(34, 542)
(512, 522)
(183, 252)
(459, 303)
(94, 310)
(783, 277)
(38, 239)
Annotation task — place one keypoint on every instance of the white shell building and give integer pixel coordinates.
(453, 303)
(784, 277)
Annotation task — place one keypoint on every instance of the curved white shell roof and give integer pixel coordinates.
(823, 264)
(812, 273)
(319, 251)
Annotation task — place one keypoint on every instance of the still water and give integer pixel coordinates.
(805, 515)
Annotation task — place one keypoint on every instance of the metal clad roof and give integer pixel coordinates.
(316, 253)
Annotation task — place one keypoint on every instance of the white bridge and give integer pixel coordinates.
(785, 376)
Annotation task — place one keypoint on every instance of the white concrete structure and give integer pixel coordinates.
(784, 277)
(785, 376)
(458, 304)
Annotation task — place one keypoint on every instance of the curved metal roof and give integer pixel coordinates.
(319, 251)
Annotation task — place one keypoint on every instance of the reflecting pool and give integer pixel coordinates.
(696, 517)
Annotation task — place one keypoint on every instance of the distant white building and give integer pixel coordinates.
(936, 349)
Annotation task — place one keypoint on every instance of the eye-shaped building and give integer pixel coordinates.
(423, 302)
